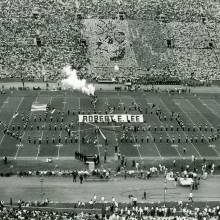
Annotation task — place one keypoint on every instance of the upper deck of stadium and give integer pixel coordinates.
(153, 39)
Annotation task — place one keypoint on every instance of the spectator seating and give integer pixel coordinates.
(150, 40)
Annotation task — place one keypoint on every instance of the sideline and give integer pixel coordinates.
(111, 87)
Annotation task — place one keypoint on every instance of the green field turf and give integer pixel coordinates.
(202, 109)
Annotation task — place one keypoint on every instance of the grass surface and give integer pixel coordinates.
(202, 109)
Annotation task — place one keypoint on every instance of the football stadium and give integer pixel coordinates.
(110, 109)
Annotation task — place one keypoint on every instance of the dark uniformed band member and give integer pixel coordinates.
(168, 139)
(142, 139)
(179, 138)
(147, 138)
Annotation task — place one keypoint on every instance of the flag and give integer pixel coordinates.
(38, 107)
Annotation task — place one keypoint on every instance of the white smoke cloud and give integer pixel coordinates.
(73, 82)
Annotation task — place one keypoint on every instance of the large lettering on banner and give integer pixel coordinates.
(96, 118)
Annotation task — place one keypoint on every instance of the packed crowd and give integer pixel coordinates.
(40, 39)
(109, 9)
(113, 210)
(134, 169)
(36, 46)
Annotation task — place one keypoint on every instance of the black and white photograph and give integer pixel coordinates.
(110, 109)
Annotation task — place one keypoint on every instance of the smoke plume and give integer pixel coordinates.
(73, 82)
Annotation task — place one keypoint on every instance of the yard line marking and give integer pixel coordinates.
(205, 120)
(90, 124)
(98, 146)
(169, 136)
(22, 99)
(58, 150)
(86, 129)
(60, 134)
(79, 129)
(182, 131)
(149, 133)
(42, 133)
(38, 151)
(116, 139)
(4, 103)
(133, 132)
(201, 113)
(216, 102)
(137, 147)
(30, 114)
(197, 128)
(18, 148)
(43, 158)
(139, 153)
(113, 126)
(210, 109)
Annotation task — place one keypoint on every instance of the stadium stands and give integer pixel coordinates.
(145, 41)
(151, 39)
(27, 210)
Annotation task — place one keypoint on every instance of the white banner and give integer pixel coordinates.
(38, 107)
(185, 181)
(111, 118)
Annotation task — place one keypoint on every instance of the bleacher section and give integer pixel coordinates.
(152, 39)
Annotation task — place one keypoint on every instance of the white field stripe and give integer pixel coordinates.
(196, 127)
(79, 129)
(76, 131)
(42, 133)
(137, 147)
(150, 135)
(98, 141)
(201, 113)
(210, 109)
(43, 158)
(23, 135)
(205, 120)
(182, 131)
(90, 124)
(116, 139)
(216, 102)
(4, 103)
(60, 134)
(98, 147)
(31, 114)
(18, 148)
(210, 124)
(133, 133)
(12, 119)
(155, 145)
(58, 152)
(169, 136)
(113, 126)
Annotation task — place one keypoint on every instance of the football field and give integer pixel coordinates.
(157, 138)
